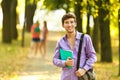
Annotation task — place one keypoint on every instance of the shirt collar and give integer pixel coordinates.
(77, 36)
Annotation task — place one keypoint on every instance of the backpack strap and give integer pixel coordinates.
(79, 51)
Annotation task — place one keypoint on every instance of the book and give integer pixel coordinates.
(65, 54)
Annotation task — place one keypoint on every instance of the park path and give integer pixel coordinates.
(41, 69)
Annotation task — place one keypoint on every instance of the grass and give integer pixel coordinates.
(107, 71)
(13, 57)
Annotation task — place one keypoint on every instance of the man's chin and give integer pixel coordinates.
(70, 31)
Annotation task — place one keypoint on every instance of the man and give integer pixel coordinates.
(70, 41)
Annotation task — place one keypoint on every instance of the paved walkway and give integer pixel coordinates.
(39, 69)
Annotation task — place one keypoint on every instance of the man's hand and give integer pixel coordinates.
(80, 72)
(69, 62)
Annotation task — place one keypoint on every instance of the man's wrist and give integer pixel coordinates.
(84, 69)
(65, 63)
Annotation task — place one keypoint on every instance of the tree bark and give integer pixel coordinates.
(23, 35)
(30, 10)
(88, 17)
(6, 30)
(95, 36)
(96, 31)
(78, 13)
(88, 22)
(106, 53)
(13, 19)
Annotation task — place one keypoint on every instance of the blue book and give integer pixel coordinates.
(65, 54)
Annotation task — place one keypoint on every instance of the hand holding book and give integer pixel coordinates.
(67, 55)
(69, 62)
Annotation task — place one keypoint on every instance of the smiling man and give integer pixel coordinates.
(70, 41)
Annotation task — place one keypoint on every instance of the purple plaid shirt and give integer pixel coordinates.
(87, 52)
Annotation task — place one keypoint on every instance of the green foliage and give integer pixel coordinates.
(53, 4)
(32, 1)
(58, 4)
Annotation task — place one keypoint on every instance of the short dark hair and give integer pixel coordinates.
(67, 16)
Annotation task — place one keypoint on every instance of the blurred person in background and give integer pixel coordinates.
(44, 39)
(35, 43)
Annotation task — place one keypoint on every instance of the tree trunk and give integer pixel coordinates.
(6, 30)
(88, 17)
(30, 10)
(119, 37)
(106, 53)
(88, 22)
(23, 30)
(95, 36)
(23, 34)
(14, 33)
(78, 13)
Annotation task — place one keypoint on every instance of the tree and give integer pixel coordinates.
(6, 30)
(9, 30)
(78, 13)
(104, 15)
(58, 4)
(119, 36)
(95, 35)
(30, 8)
(23, 34)
(13, 19)
(89, 7)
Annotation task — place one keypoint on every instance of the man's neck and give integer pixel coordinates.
(71, 35)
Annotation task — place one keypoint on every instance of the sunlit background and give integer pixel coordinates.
(53, 17)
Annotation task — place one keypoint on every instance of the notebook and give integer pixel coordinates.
(65, 54)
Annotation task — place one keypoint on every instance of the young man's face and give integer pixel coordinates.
(69, 25)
